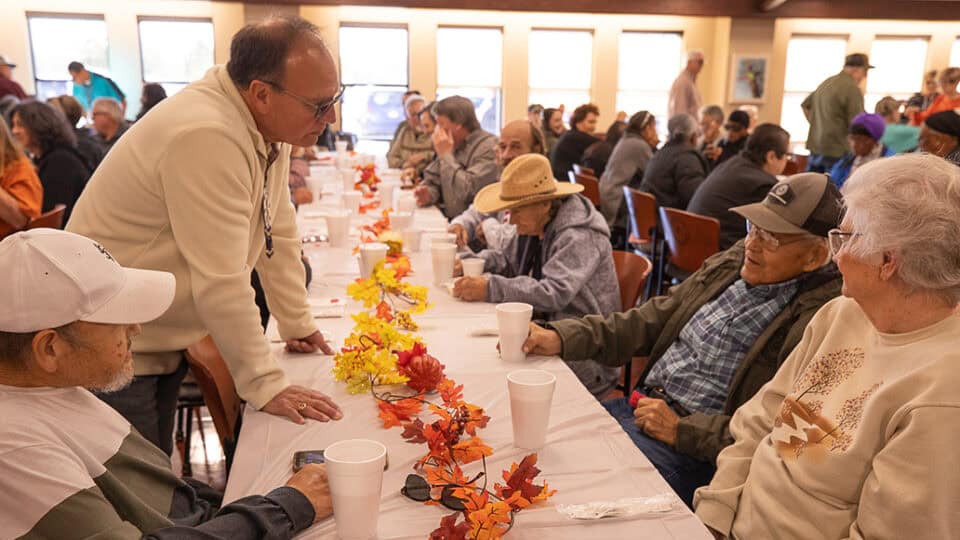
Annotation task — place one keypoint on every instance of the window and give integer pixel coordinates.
(645, 79)
(955, 53)
(373, 66)
(175, 52)
(899, 71)
(561, 63)
(56, 40)
(810, 60)
(470, 64)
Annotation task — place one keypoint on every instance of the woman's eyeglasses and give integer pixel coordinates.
(838, 239)
(320, 108)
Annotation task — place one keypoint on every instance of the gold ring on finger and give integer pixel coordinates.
(301, 406)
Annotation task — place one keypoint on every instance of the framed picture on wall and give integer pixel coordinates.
(748, 82)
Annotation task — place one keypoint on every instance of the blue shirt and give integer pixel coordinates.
(697, 368)
(97, 87)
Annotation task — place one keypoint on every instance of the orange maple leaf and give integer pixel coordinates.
(397, 412)
(487, 523)
(471, 450)
(450, 391)
(384, 312)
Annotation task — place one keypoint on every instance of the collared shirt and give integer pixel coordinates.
(697, 369)
(684, 95)
(454, 179)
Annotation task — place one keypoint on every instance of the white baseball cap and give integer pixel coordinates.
(53, 278)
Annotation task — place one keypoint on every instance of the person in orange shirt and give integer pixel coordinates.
(948, 99)
(21, 193)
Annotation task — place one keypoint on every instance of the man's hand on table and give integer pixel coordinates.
(461, 233)
(312, 482)
(655, 418)
(542, 341)
(298, 403)
(309, 344)
(471, 289)
(423, 196)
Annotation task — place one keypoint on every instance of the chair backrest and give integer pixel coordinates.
(591, 186)
(50, 220)
(643, 213)
(632, 273)
(216, 384)
(691, 237)
(580, 169)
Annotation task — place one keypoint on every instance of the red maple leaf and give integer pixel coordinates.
(451, 530)
(404, 357)
(520, 478)
(397, 412)
(413, 432)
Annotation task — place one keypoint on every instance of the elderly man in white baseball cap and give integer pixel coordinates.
(72, 467)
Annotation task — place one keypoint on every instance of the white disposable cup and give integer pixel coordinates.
(513, 322)
(531, 395)
(348, 177)
(338, 227)
(472, 266)
(443, 257)
(443, 238)
(386, 191)
(401, 221)
(355, 473)
(315, 185)
(405, 201)
(351, 201)
(411, 239)
(370, 254)
(341, 147)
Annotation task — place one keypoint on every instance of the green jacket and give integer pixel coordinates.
(650, 329)
(832, 107)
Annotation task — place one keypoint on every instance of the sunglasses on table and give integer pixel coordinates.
(319, 108)
(418, 489)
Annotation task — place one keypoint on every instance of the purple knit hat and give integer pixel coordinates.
(872, 124)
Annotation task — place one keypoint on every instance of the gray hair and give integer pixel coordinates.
(109, 106)
(910, 204)
(682, 127)
(713, 111)
(458, 110)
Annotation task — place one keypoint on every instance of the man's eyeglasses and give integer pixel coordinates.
(320, 108)
(768, 240)
(838, 239)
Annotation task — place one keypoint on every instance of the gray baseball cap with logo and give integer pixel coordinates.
(802, 203)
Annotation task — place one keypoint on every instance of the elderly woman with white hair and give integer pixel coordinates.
(411, 146)
(675, 171)
(854, 436)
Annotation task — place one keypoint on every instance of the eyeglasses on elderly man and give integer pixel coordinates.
(69, 313)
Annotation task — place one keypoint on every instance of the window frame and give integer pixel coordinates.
(156, 18)
(661, 119)
(57, 15)
(917, 83)
(498, 90)
(347, 86)
(589, 89)
(801, 137)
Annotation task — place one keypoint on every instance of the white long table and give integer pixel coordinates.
(587, 457)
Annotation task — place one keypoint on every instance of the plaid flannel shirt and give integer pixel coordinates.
(697, 368)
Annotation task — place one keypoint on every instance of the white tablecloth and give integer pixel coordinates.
(587, 456)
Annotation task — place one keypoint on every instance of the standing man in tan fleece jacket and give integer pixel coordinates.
(199, 189)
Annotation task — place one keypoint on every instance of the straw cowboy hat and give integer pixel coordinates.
(526, 180)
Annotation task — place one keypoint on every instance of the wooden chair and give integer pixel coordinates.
(632, 273)
(644, 235)
(219, 393)
(580, 169)
(50, 220)
(591, 186)
(691, 238)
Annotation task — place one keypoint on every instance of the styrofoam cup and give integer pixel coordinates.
(355, 473)
(348, 177)
(531, 395)
(472, 266)
(400, 221)
(370, 254)
(341, 147)
(411, 240)
(315, 185)
(405, 201)
(338, 227)
(443, 257)
(351, 201)
(443, 238)
(387, 189)
(513, 322)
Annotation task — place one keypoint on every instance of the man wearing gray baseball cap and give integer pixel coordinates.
(719, 336)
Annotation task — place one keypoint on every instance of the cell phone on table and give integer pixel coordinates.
(305, 457)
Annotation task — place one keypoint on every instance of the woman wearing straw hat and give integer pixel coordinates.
(560, 262)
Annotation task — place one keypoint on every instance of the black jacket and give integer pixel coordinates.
(569, 150)
(736, 182)
(728, 150)
(63, 173)
(674, 174)
(89, 148)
